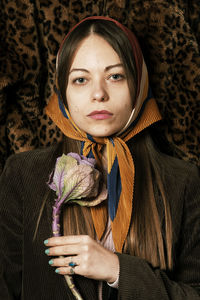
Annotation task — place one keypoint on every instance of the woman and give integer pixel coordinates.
(143, 241)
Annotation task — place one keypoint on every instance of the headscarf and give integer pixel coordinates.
(121, 170)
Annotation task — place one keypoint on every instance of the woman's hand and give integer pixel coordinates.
(91, 259)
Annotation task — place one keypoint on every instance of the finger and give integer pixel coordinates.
(67, 271)
(71, 261)
(62, 240)
(64, 250)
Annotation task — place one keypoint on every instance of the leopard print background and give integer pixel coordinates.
(30, 34)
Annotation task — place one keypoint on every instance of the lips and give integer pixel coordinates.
(100, 114)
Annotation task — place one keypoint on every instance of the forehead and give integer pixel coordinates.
(94, 50)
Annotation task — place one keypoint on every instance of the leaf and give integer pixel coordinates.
(75, 178)
(81, 181)
(94, 201)
(63, 165)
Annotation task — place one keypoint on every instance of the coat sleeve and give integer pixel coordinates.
(11, 232)
(138, 280)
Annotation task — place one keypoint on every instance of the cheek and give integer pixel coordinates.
(123, 97)
(124, 113)
(129, 107)
(129, 104)
(72, 102)
(73, 109)
(125, 107)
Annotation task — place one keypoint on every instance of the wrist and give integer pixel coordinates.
(114, 284)
(114, 276)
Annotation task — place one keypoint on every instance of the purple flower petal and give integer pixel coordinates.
(81, 159)
(52, 186)
(75, 155)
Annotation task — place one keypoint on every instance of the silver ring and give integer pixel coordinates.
(72, 271)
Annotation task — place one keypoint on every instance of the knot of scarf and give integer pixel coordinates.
(120, 165)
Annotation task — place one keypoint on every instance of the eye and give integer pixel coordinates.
(117, 77)
(79, 80)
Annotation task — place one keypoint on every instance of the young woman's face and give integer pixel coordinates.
(98, 95)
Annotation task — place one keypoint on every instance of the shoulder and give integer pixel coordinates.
(33, 156)
(177, 168)
(25, 176)
(181, 182)
(31, 162)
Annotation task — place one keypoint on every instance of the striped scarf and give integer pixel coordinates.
(120, 170)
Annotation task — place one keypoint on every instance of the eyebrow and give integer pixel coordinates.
(78, 69)
(106, 68)
(113, 66)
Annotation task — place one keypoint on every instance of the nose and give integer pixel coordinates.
(99, 92)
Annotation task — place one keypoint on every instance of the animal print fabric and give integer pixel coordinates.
(30, 34)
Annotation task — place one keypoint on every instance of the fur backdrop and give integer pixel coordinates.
(30, 34)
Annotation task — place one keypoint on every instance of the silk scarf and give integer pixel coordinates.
(120, 170)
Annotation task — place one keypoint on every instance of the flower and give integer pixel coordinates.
(75, 178)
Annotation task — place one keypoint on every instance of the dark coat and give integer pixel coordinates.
(25, 273)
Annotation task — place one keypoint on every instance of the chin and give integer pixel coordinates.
(102, 134)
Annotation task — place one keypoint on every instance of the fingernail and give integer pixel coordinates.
(47, 251)
(57, 271)
(46, 242)
(51, 262)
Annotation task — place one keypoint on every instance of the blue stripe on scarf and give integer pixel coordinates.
(114, 189)
(90, 138)
(111, 140)
(61, 104)
(82, 146)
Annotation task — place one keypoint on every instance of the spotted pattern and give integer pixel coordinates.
(31, 31)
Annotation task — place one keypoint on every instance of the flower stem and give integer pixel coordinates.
(56, 221)
(56, 232)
